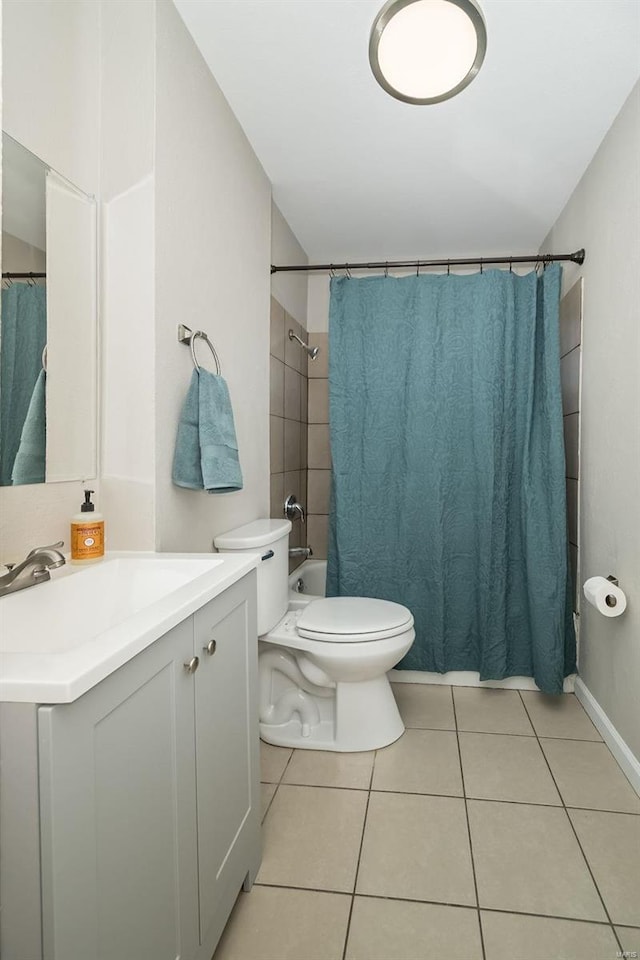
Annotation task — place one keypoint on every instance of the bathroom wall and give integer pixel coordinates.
(289, 289)
(288, 379)
(319, 481)
(51, 84)
(117, 97)
(288, 418)
(570, 354)
(127, 102)
(318, 303)
(186, 240)
(213, 246)
(22, 257)
(602, 216)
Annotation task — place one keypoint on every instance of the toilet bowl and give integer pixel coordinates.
(323, 665)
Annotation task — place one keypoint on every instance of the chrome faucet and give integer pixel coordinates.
(34, 569)
(292, 509)
(305, 552)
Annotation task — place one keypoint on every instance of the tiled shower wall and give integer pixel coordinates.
(319, 455)
(288, 418)
(570, 350)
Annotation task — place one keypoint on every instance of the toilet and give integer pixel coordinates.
(322, 667)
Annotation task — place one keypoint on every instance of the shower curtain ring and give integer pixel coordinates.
(448, 269)
(386, 269)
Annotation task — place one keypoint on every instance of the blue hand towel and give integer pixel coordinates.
(206, 454)
(29, 465)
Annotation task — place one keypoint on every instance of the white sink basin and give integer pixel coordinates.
(59, 638)
(69, 610)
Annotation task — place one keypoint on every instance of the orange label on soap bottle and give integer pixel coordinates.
(87, 540)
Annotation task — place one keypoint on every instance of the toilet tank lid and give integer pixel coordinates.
(258, 533)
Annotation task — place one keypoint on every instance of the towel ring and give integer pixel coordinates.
(199, 334)
(186, 335)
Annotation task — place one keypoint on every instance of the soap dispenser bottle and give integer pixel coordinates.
(87, 533)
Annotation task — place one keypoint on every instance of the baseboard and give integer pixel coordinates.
(469, 678)
(628, 763)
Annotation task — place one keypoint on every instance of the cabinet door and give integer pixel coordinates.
(119, 877)
(226, 753)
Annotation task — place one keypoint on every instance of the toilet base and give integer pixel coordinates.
(362, 716)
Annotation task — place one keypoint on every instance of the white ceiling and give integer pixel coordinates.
(359, 175)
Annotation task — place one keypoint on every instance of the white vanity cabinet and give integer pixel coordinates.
(149, 795)
(228, 761)
(117, 794)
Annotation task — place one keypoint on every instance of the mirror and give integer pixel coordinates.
(48, 324)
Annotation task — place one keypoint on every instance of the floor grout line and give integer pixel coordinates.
(500, 733)
(264, 815)
(355, 879)
(487, 733)
(608, 922)
(451, 796)
(324, 786)
(575, 832)
(446, 903)
(466, 814)
(271, 782)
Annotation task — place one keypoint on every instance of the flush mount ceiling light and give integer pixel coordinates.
(426, 51)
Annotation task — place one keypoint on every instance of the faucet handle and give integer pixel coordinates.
(292, 509)
(51, 546)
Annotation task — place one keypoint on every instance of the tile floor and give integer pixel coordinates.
(499, 826)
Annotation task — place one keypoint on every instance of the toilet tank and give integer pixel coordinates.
(269, 538)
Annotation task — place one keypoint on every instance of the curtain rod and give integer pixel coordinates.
(10, 275)
(544, 258)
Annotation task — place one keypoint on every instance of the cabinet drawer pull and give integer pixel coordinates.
(192, 666)
(210, 647)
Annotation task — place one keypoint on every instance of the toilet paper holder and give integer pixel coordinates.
(606, 595)
(611, 600)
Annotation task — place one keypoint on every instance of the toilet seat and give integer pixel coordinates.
(353, 620)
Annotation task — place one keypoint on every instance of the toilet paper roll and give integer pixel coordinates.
(605, 596)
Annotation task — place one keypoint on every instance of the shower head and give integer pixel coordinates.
(312, 351)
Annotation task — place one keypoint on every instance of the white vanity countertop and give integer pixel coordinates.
(58, 639)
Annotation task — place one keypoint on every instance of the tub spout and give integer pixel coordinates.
(305, 552)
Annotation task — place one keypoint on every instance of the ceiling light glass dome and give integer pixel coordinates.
(426, 51)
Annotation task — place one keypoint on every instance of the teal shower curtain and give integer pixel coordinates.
(448, 489)
(23, 334)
